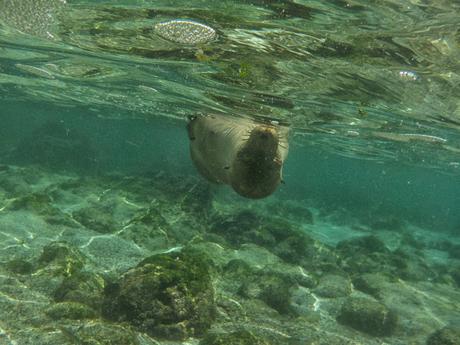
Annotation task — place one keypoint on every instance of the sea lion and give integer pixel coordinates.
(247, 154)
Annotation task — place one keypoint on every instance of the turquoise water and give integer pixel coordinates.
(110, 235)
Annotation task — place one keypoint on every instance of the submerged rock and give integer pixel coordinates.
(42, 204)
(276, 294)
(303, 303)
(99, 219)
(19, 266)
(277, 235)
(167, 295)
(58, 261)
(368, 316)
(448, 335)
(371, 283)
(70, 310)
(82, 287)
(101, 333)
(61, 258)
(369, 254)
(364, 244)
(333, 286)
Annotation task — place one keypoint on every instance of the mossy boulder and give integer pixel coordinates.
(38, 202)
(368, 316)
(333, 286)
(364, 244)
(19, 266)
(449, 335)
(42, 204)
(241, 337)
(83, 287)
(371, 283)
(275, 234)
(99, 219)
(369, 254)
(414, 267)
(61, 258)
(276, 294)
(303, 303)
(166, 295)
(70, 310)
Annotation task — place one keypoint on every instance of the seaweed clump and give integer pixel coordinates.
(167, 295)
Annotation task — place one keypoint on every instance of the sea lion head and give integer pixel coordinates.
(256, 170)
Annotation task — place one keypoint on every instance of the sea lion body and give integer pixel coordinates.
(243, 153)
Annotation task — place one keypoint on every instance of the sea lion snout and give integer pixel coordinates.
(257, 168)
(243, 153)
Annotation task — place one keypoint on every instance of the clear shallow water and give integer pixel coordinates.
(376, 80)
(94, 152)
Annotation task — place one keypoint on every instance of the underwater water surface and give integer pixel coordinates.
(110, 235)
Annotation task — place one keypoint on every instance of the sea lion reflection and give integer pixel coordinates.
(244, 153)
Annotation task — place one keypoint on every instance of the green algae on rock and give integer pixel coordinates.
(333, 286)
(364, 244)
(70, 310)
(368, 316)
(96, 218)
(82, 287)
(61, 258)
(449, 335)
(276, 294)
(19, 266)
(371, 283)
(42, 204)
(166, 295)
(277, 235)
(101, 333)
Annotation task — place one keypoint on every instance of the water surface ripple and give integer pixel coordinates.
(371, 79)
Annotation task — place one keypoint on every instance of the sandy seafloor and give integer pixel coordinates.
(281, 273)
